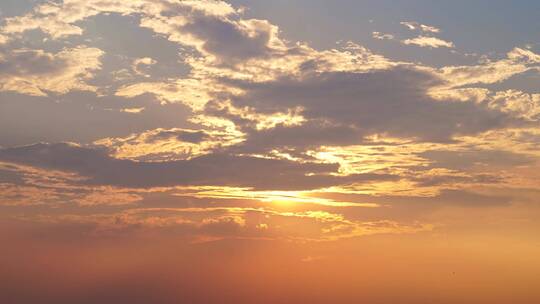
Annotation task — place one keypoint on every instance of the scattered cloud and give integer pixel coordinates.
(426, 41)
(413, 26)
(382, 36)
(426, 38)
(251, 118)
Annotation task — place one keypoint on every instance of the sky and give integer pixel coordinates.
(200, 151)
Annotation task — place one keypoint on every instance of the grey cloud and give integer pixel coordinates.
(428, 181)
(311, 134)
(192, 136)
(25, 61)
(394, 102)
(462, 160)
(182, 135)
(215, 169)
(9, 176)
(227, 40)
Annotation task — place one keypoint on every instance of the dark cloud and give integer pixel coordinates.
(428, 181)
(463, 160)
(230, 41)
(312, 134)
(29, 62)
(227, 40)
(9, 176)
(181, 135)
(393, 102)
(192, 136)
(214, 169)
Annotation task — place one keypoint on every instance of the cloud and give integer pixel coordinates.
(250, 117)
(394, 102)
(139, 64)
(170, 144)
(204, 25)
(412, 25)
(518, 103)
(36, 72)
(58, 19)
(231, 41)
(490, 71)
(426, 41)
(191, 92)
(189, 136)
(213, 169)
(297, 139)
(23, 186)
(9, 176)
(381, 36)
(523, 55)
(468, 159)
(214, 223)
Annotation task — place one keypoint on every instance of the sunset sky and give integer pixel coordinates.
(269, 151)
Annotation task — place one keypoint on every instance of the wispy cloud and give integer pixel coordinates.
(413, 26)
(381, 36)
(426, 41)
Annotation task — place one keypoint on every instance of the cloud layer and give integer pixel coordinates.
(241, 117)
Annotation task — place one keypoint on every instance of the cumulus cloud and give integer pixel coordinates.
(231, 41)
(519, 103)
(36, 72)
(58, 19)
(203, 25)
